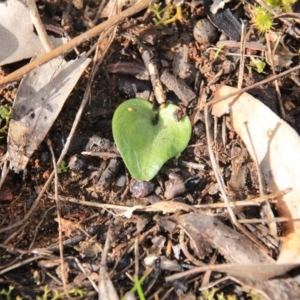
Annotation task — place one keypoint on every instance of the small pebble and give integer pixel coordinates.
(140, 189)
(205, 32)
(174, 189)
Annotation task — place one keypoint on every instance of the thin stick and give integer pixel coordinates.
(86, 274)
(22, 263)
(225, 267)
(94, 204)
(157, 86)
(279, 219)
(254, 202)
(38, 227)
(271, 54)
(37, 22)
(207, 274)
(58, 211)
(136, 257)
(242, 58)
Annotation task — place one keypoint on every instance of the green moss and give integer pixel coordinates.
(263, 20)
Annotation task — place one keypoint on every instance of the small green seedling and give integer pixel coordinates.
(63, 168)
(258, 64)
(138, 285)
(58, 296)
(165, 16)
(7, 294)
(146, 139)
(5, 115)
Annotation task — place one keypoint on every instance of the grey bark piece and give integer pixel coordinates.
(178, 86)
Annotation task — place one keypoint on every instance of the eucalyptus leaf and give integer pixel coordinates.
(146, 139)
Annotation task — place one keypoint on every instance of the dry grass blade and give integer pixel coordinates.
(58, 211)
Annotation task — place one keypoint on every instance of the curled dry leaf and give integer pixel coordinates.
(275, 145)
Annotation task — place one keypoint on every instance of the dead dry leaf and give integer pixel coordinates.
(274, 144)
(18, 40)
(106, 287)
(40, 98)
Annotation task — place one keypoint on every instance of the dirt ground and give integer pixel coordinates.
(106, 244)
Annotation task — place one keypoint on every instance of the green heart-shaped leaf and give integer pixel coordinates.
(147, 139)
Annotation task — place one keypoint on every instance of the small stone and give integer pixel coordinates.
(140, 189)
(205, 32)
